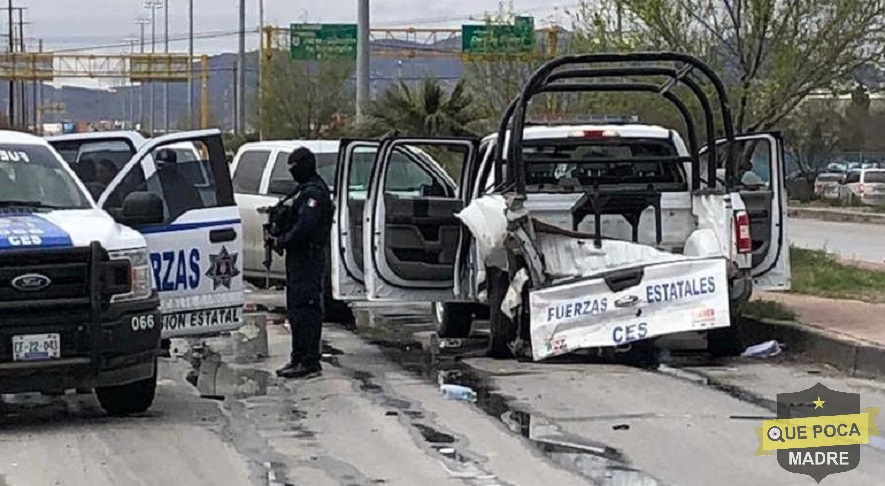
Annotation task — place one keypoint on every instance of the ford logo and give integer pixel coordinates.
(627, 301)
(31, 282)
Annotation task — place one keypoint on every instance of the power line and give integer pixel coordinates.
(215, 34)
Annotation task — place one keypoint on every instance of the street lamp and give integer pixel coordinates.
(141, 22)
(153, 6)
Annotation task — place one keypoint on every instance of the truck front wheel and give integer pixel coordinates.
(453, 320)
(132, 398)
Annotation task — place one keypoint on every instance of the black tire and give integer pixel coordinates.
(453, 320)
(727, 342)
(132, 398)
(502, 330)
(338, 312)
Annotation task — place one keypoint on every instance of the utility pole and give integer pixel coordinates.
(131, 41)
(142, 22)
(241, 73)
(153, 5)
(235, 106)
(21, 47)
(11, 106)
(166, 51)
(204, 91)
(362, 60)
(260, 67)
(190, 65)
(38, 95)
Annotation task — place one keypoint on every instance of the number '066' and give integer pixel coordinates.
(142, 323)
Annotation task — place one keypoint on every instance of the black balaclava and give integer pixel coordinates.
(302, 165)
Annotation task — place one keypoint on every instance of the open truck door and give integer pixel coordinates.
(411, 235)
(760, 174)
(195, 254)
(353, 172)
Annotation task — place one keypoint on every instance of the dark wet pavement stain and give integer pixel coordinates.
(598, 463)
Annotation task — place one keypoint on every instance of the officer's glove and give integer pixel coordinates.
(278, 246)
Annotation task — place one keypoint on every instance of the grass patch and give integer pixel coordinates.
(768, 309)
(819, 273)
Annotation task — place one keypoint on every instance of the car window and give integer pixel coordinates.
(852, 177)
(96, 162)
(404, 174)
(247, 177)
(584, 162)
(325, 167)
(33, 173)
(169, 180)
(874, 177)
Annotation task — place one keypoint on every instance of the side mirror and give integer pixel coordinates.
(142, 209)
(281, 187)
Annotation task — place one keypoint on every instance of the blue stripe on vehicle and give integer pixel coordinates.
(19, 230)
(187, 226)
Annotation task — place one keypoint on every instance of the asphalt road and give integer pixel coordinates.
(377, 416)
(849, 240)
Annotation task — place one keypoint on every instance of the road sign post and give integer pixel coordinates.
(322, 42)
(499, 40)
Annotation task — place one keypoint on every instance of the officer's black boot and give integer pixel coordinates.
(291, 365)
(307, 333)
(302, 371)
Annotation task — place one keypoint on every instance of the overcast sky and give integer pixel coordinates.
(68, 24)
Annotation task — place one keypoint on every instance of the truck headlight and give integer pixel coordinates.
(140, 274)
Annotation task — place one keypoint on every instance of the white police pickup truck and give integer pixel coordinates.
(195, 251)
(77, 308)
(576, 236)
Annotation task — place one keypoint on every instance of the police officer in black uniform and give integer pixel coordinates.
(305, 227)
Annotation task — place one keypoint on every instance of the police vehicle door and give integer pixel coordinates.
(196, 254)
(352, 172)
(766, 205)
(411, 235)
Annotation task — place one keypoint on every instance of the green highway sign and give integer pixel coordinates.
(322, 42)
(499, 39)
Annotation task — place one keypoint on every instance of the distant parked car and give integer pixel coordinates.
(863, 187)
(261, 178)
(827, 185)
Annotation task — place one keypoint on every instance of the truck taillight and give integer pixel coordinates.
(595, 134)
(860, 188)
(742, 232)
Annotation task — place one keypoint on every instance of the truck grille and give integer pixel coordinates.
(67, 271)
(65, 306)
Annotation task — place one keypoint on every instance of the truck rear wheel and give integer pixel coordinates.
(136, 397)
(502, 329)
(453, 320)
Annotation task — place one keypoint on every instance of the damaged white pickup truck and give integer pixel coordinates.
(574, 237)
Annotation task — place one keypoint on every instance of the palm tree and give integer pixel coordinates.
(429, 111)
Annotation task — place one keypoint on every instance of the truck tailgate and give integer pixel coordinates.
(624, 306)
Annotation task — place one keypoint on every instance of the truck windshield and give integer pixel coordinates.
(584, 162)
(33, 176)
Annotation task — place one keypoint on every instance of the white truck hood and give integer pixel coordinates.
(65, 228)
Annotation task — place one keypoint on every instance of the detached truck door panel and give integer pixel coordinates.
(196, 254)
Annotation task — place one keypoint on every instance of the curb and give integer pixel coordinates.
(857, 358)
(835, 215)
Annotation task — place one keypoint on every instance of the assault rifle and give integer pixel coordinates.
(271, 230)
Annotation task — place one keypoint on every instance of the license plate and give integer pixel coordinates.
(36, 347)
